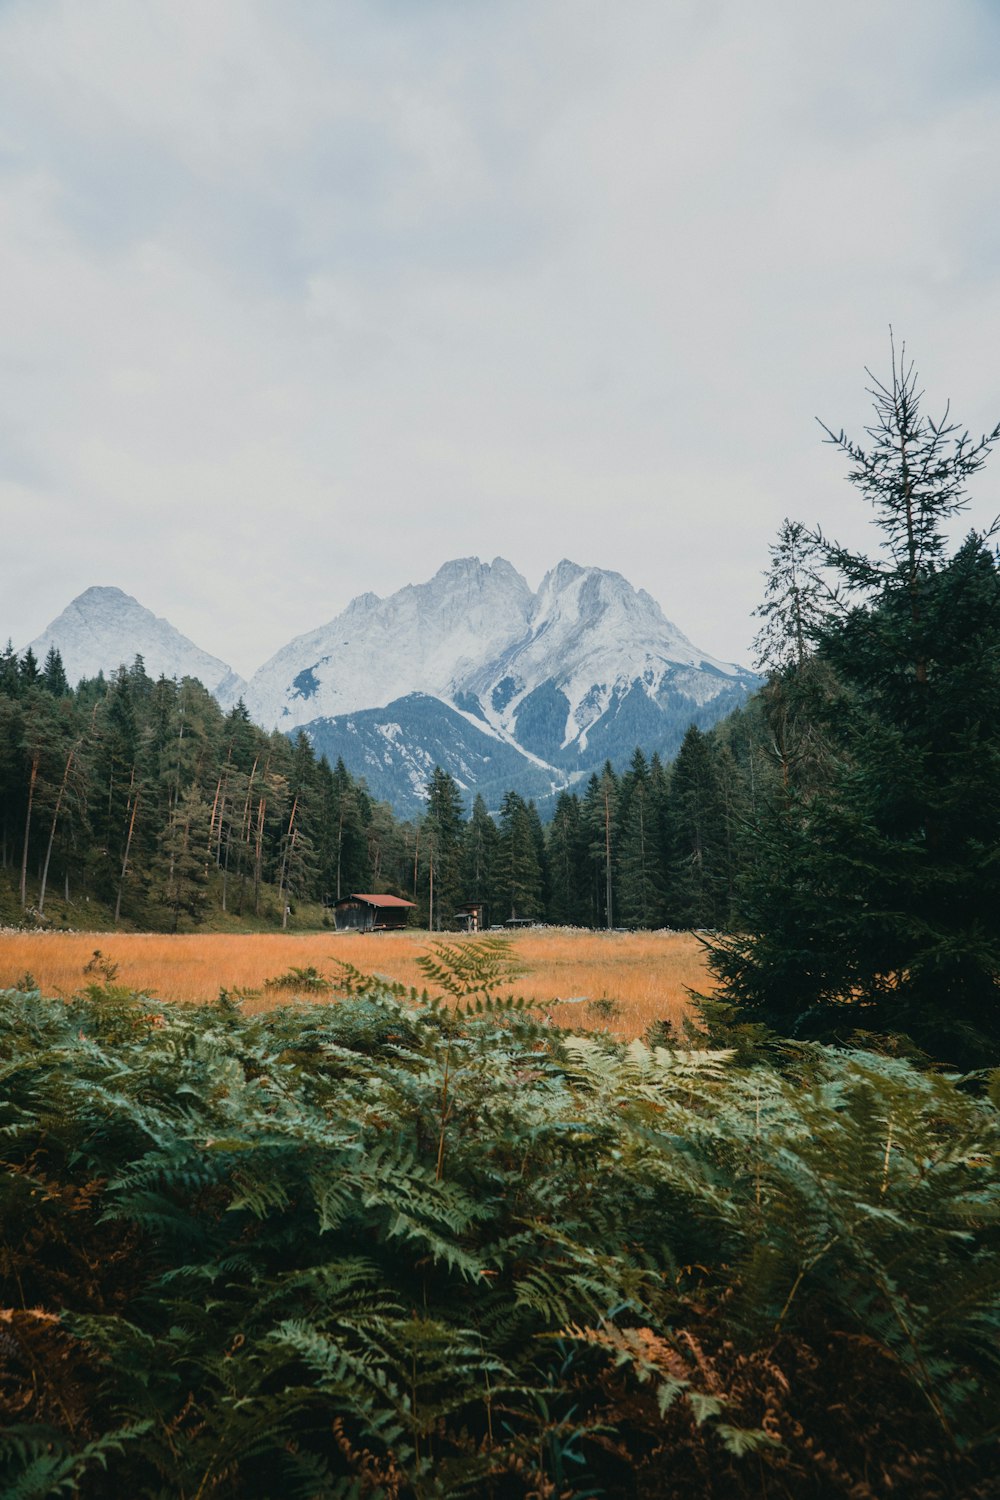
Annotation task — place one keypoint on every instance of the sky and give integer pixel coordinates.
(302, 298)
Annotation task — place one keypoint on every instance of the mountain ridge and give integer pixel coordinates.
(471, 669)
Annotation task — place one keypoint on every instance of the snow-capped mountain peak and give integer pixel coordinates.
(470, 670)
(104, 627)
(426, 638)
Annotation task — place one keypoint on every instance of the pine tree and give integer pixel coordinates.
(54, 674)
(443, 829)
(519, 883)
(698, 837)
(873, 904)
(600, 817)
(480, 854)
(569, 865)
(10, 682)
(27, 669)
(640, 899)
(796, 601)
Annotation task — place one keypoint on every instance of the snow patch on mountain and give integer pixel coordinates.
(592, 636)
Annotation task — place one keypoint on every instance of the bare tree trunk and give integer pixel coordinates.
(215, 809)
(35, 761)
(258, 866)
(245, 824)
(289, 845)
(52, 831)
(128, 846)
(225, 865)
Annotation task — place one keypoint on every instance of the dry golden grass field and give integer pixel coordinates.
(644, 975)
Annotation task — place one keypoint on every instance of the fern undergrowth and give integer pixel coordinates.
(426, 1245)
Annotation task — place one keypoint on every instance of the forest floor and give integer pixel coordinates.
(621, 982)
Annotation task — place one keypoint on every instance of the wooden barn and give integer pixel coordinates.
(362, 913)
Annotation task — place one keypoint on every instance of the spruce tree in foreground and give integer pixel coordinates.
(874, 900)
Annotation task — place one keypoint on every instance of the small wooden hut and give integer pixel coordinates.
(365, 913)
(471, 916)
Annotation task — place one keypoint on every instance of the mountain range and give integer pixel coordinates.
(473, 671)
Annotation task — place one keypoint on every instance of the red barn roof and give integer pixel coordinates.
(379, 900)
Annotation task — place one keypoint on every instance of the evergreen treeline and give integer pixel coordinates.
(144, 796)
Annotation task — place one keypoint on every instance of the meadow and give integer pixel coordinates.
(619, 981)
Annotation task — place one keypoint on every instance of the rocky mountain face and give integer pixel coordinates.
(472, 668)
(104, 627)
(470, 671)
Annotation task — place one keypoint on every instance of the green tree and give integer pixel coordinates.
(796, 601)
(873, 904)
(697, 836)
(640, 880)
(54, 674)
(480, 854)
(519, 883)
(600, 817)
(569, 864)
(441, 847)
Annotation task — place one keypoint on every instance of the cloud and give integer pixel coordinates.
(302, 299)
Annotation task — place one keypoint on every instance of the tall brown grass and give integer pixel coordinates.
(621, 981)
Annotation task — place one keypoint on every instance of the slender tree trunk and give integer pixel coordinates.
(340, 844)
(607, 855)
(52, 831)
(258, 865)
(245, 824)
(215, 809)
(35, 761)
(289, 844)
(128, 847)
(225, 864)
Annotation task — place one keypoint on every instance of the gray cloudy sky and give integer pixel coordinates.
(303, 297)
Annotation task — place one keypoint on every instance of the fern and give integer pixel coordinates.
(429, 1245)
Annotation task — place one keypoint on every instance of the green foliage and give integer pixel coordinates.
(302, 980)
(871, 901)
(435, 1248)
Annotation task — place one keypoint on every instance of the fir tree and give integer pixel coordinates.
(520, 877)
(640, 898)
(697, 836)
(873, 904)
(480, 854)
(569, 866)
(54, 674)
(443, 828)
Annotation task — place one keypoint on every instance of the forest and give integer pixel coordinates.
(144, 797)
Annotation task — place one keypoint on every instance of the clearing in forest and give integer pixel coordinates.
(628, 979)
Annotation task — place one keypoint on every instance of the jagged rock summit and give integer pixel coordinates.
(503, 687)
(104, 627)
(427, 638)
(476, 637)
(470, 668)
